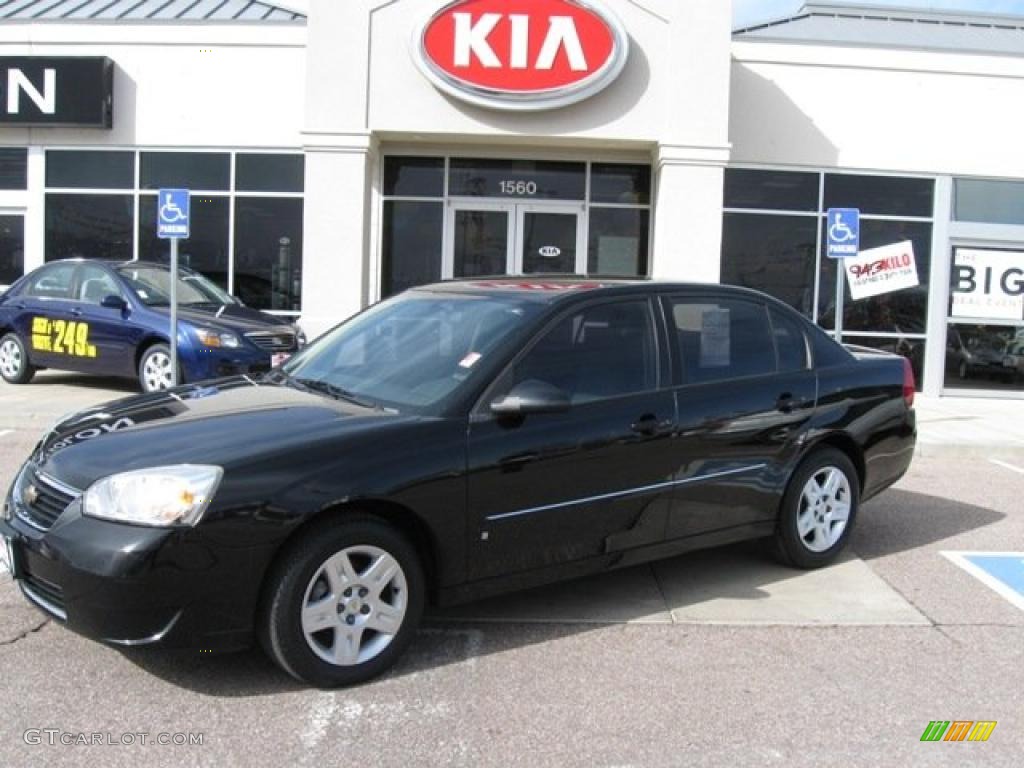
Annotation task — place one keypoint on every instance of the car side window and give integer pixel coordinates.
(601, 351)
(721, 338)
(790, 342)
(95, 284)
(52, 282)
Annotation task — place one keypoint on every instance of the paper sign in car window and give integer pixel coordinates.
(714, 338)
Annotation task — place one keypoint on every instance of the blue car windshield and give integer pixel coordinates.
(412, 351)
(152, 285)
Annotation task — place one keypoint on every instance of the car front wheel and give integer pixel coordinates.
(155, 369)
(14, 365)
(343, 602)
(818, 510)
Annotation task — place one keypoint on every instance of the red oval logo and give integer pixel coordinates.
(522, 54)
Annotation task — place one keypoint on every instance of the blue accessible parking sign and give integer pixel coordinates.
(843, 232)
(172, 213)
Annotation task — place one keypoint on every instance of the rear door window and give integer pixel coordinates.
(721, 338)
(52, 282)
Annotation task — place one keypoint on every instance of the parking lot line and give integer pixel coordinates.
(1004, 465)
(1002, 572)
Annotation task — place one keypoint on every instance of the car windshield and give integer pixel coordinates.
(412, 351)
(152, 284)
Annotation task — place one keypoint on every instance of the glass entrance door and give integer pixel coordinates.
(485, 239)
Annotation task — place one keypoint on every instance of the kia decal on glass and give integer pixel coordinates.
(523, 56)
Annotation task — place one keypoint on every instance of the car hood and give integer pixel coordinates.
(228, 423)
(233, 317)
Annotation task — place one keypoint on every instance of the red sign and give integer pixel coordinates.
(522, 54)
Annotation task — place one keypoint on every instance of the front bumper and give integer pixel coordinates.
(132, 585)
(201, 364)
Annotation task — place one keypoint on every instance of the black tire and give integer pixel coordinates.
(299, 574)
(14, 362)
(815, 547)
(153, 357)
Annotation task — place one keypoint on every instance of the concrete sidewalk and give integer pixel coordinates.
(970, 427)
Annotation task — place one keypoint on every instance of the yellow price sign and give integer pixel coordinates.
(62, 337)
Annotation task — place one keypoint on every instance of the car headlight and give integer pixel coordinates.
(209, 338)
(160, 496)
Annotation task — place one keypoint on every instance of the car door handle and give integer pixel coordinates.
(648, 424)
(786, 402)
(76, 312)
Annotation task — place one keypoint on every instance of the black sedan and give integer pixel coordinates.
(456, 441)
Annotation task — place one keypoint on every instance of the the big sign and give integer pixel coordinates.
(521, 54)
(988, 284)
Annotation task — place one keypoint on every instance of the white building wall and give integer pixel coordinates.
(876, 109)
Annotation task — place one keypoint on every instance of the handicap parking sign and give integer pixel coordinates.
(172, 213)
(843, 232)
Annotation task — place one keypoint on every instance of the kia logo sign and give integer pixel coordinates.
(521, 54)
(550, 251)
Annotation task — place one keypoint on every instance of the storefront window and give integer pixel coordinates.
(268, 252)
(269, 173)
(618, 241)
(888, 195)
(414, 176)
(83, 169)
(185, 170)
(987, 201)
(12, 248)
(622, 184)
(985, 331)
(13, 168)
(94, 226)
(206, 247)
(260, 261)
(774, 254)
(411, 248)
(899, 312)
(771, 190)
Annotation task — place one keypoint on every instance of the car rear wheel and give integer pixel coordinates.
(155, 369)
(14, 365)
(818, 510)
(343, 603)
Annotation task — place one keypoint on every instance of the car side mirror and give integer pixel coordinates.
(114, 302)
(531, 396)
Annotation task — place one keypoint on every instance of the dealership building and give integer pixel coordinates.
(339, 152)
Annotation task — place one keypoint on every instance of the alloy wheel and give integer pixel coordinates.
(156, 372)
(354, 605)
(824, 509)
(11, 360)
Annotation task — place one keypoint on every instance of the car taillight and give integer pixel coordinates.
(909, 386)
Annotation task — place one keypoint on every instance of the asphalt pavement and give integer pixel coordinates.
(715, 658)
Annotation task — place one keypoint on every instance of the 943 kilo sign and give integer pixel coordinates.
(881, 270)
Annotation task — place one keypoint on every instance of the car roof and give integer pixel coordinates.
(550, 289)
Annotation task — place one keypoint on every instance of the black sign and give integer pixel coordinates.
(57, 90)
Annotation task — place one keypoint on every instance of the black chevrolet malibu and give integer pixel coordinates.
(455, 441)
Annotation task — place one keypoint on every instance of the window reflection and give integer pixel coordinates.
(268, 252)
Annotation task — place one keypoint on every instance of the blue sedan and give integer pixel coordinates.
(113, 318)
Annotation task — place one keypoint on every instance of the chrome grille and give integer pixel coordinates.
(273, 341)
(46, 595)
(50, 500)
